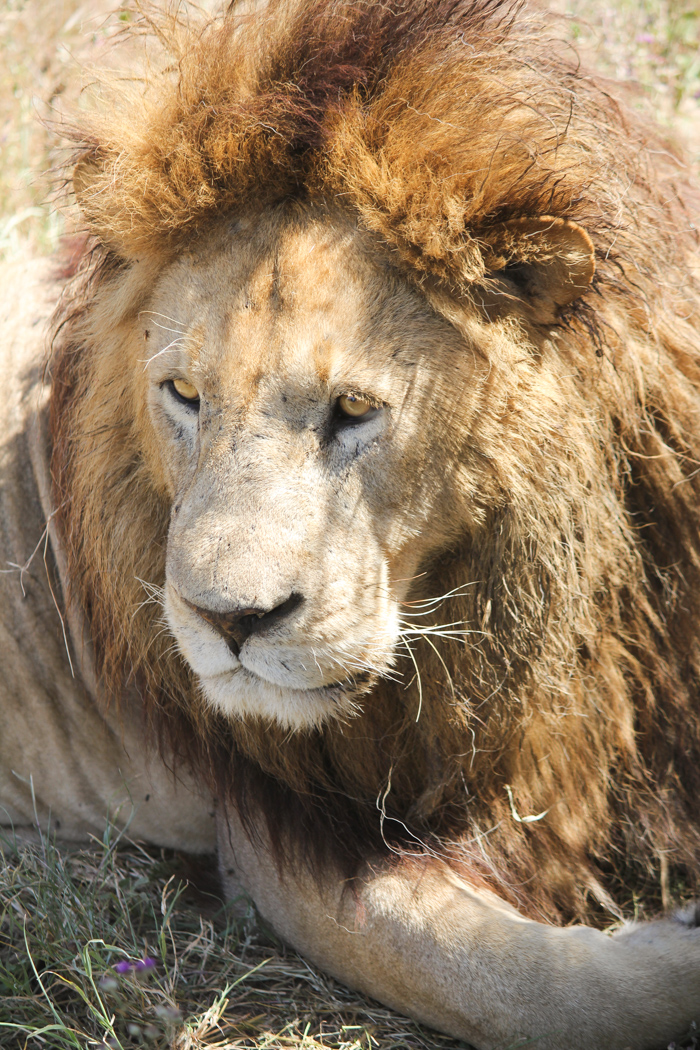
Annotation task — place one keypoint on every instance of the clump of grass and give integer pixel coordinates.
(113, 948)
(35, 41)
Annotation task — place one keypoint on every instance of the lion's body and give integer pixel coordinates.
(65, 763)
(335, 372)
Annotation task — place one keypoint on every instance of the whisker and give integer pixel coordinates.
(430, 604)
(154, 595)
(173, 320)
(449, 676)
(417, 677)
(175, 344)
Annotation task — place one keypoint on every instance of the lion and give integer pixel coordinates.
(351, 516)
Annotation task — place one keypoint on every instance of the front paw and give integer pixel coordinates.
(678, 932)
(688, 916)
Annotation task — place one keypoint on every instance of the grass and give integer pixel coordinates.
(195, 974)
(653, 46)
(48, 48)
(67, 919)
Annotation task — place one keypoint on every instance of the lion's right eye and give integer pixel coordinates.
(184, 392)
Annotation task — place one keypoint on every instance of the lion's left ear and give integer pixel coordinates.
(543, 263)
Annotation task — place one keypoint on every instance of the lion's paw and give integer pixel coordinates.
(679, 934)
(688, 916)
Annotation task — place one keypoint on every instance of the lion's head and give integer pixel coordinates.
(338, 393)
(294, 415)
(310, 417)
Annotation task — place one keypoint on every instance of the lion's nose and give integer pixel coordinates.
(236, 625)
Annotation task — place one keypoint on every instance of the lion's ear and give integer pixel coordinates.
(543, 263)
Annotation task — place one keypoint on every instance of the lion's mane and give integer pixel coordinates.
(574, 689)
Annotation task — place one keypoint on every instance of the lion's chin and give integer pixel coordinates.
(240, 694)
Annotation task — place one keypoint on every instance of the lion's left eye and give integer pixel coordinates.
(353, 407)
(184, 392)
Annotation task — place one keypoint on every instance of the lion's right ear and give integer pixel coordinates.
(539, 265)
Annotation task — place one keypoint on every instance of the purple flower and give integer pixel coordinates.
(645, 38)
(144, 965)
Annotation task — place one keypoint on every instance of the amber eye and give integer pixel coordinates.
(355, 407)
(184, 392)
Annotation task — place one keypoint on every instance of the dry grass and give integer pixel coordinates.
(67, 919)
(48, 49)
(38, 41)
(214, 981)
(653, 47)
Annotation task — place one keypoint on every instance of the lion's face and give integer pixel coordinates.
(294, 394)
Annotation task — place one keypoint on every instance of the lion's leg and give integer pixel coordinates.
(426, 943)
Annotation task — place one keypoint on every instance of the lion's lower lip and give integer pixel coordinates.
(311, 690)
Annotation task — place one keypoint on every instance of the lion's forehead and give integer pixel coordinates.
(309, 306)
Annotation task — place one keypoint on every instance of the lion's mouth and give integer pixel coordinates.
(284, 679)
(352, 685)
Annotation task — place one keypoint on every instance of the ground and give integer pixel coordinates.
(114, 946)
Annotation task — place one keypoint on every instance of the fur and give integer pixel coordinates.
(434, 127)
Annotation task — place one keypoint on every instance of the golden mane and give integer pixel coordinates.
(434, 125)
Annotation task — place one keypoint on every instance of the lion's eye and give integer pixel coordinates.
(355, 407)
(184, 392)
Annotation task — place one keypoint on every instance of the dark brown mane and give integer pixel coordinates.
(433, 123)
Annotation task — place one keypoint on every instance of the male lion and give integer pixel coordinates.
(361, 494)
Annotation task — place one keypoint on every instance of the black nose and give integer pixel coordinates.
(236, 625)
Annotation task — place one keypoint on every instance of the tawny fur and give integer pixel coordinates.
(433, 126)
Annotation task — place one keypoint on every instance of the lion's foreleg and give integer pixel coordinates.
(428, 944)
